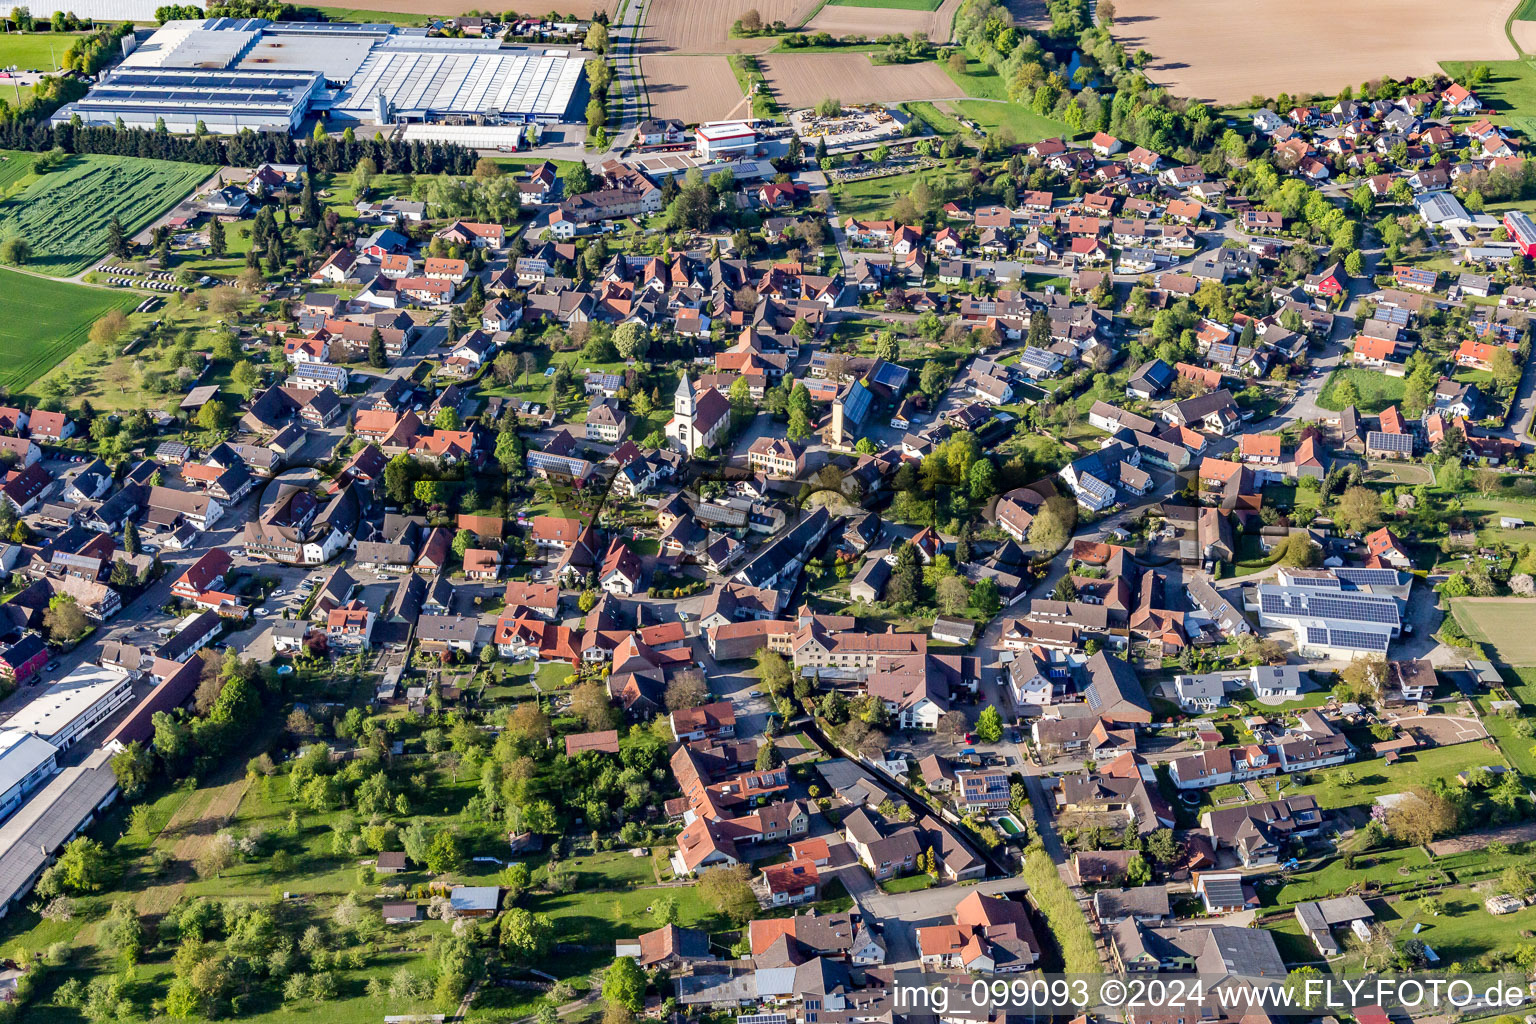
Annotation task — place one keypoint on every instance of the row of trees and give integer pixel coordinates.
(246, 149)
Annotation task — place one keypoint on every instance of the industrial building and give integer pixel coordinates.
(76, 704)
(26, 762)
(1329, 622)
(717, 139)
(232, 74)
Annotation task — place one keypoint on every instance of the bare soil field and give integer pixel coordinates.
(692, 89)
(1207, 48)
(1525, 34)
(878, 21)
(704, 26)
(803, 79)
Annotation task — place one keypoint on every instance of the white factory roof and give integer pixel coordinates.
(201, 43)
(420, 79)
(418, 74)
(21, 753)
(52, 711)
(715, 131)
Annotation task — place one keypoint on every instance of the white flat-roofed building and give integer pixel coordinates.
(420, 79)
(1330, 623)
(225, 100)
(716, 139)
(76, 704)
(26, 762)
(237, 73)
(61, 810)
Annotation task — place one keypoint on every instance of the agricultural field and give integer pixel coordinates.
(43, 321)
(875, 18)
(15, 165)
(1502, 623)
(65, 214)
(905, 5)
(147, 377)
(704, 26)
(1202, 48)
(692, 89)
(804, 79)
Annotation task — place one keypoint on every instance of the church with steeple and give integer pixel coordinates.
(699, 417)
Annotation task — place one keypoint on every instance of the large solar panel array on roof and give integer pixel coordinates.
(1369, 577)
(1358, 607)
(1316, 582)
(1356, 640)
(1337, 605)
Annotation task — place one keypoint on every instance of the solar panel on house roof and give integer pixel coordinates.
(1317, 635)
(1390, 442)
(1224, 892)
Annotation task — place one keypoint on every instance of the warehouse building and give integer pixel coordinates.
(76, 704)
(237, 73)
(26, 762)
(225, 101)
(61, 810)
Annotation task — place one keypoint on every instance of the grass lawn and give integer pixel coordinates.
(980, 81)
(933, 117)
(1502, 623)
(908, 883)
(65, 214)
(874, 197)
(15, 166)
(1376, 390)
(31, 51)
(1516, 748)
(608, 903)
(1384, 866)
(1025, 124)
(1358, 784)
(551, 675)
(42, 322)
(1510, 89)
(902, 5)
(363, 14)
(1486, 512)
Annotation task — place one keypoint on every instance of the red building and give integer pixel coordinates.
(1521, 231)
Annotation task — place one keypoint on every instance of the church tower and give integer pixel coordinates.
(683, 409)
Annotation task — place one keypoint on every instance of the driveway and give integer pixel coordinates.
(902, 914)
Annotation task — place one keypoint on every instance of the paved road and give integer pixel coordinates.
(624, 42)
